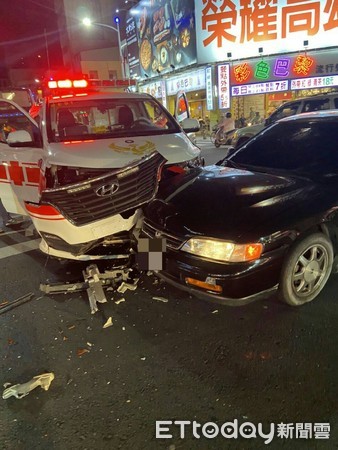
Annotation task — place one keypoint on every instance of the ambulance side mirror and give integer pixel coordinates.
(20, 138)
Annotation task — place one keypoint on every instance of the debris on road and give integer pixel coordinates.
(94, 283)
(21, 390)
(120, 301)
(125, 286)
(19, 301)
(161, 299)
(82, 351)
(109, 323)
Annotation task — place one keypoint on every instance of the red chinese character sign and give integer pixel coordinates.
(240, 27)
(223, 86)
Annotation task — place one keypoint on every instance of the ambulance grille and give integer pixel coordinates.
(114, 193)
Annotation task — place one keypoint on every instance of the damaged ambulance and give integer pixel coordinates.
(88, 162)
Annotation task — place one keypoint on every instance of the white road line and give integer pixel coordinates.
(17, 249)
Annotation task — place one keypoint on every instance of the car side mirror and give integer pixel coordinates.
(190, 125)
(20, 138)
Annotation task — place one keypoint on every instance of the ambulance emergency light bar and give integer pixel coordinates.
(67, 84)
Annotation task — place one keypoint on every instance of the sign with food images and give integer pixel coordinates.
(160, 37)
(241, 27)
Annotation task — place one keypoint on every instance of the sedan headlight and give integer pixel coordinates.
(222, 250)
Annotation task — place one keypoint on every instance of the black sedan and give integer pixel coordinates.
(264, 219)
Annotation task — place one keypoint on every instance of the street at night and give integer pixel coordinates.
(168, 356)
(169, 225)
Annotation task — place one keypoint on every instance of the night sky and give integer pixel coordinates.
(22, 25)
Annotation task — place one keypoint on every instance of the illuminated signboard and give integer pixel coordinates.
(164, 94)
(284, 67)
(161, 37)
(157, 89)
(278, 26)
(191, 81)
(154, 89)
(260, 88)
(314, 82)
(209, 87)
(223, 86)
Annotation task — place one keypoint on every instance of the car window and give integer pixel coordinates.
(307, 146)
(20, 96)
(96, 119)
(316, 105)
(11, 119)
(287, 110)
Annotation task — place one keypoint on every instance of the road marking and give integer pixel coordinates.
(17, 249)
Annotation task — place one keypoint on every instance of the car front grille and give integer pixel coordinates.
(81, 203)
(173, 242)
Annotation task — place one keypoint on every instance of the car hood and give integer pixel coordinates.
(119, 152)
(229, 203)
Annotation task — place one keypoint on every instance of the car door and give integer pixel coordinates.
(181, 107)
(21, 158)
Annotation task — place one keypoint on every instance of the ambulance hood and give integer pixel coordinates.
(119, 152)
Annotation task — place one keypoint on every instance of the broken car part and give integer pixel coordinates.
(21, 390)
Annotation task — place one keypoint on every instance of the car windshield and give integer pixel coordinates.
(107, 118)
(305, 146)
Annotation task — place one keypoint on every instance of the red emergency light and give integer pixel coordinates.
(67, 84)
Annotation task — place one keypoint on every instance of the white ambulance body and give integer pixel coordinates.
(84, 168)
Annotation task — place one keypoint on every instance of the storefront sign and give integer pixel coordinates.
(154, 89)
(209, 88)
(284, 67)
(157, 89)
(277, 26)
(191, 81)
(132, 45)
(161, 37)
(164, 94)
(223, 86)
(314, 82)
(260, 88)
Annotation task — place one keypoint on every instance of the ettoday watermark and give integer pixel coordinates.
(246, 430)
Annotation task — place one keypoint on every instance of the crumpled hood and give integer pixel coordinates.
(229, 203)
(119, 152)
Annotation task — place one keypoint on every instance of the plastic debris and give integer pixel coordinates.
(109, 323)
(161, 299)
(120, 301)
(82, 351)
(94, 283)
(125, 286)
(215, 311)
(21, 390)
(19, 301)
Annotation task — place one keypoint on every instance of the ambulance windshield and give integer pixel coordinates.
(106, 118)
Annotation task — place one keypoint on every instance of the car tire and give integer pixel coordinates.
(306, 270)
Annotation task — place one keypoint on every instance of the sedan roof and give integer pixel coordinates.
(315, 115)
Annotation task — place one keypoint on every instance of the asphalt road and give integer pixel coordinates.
(179, 359)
